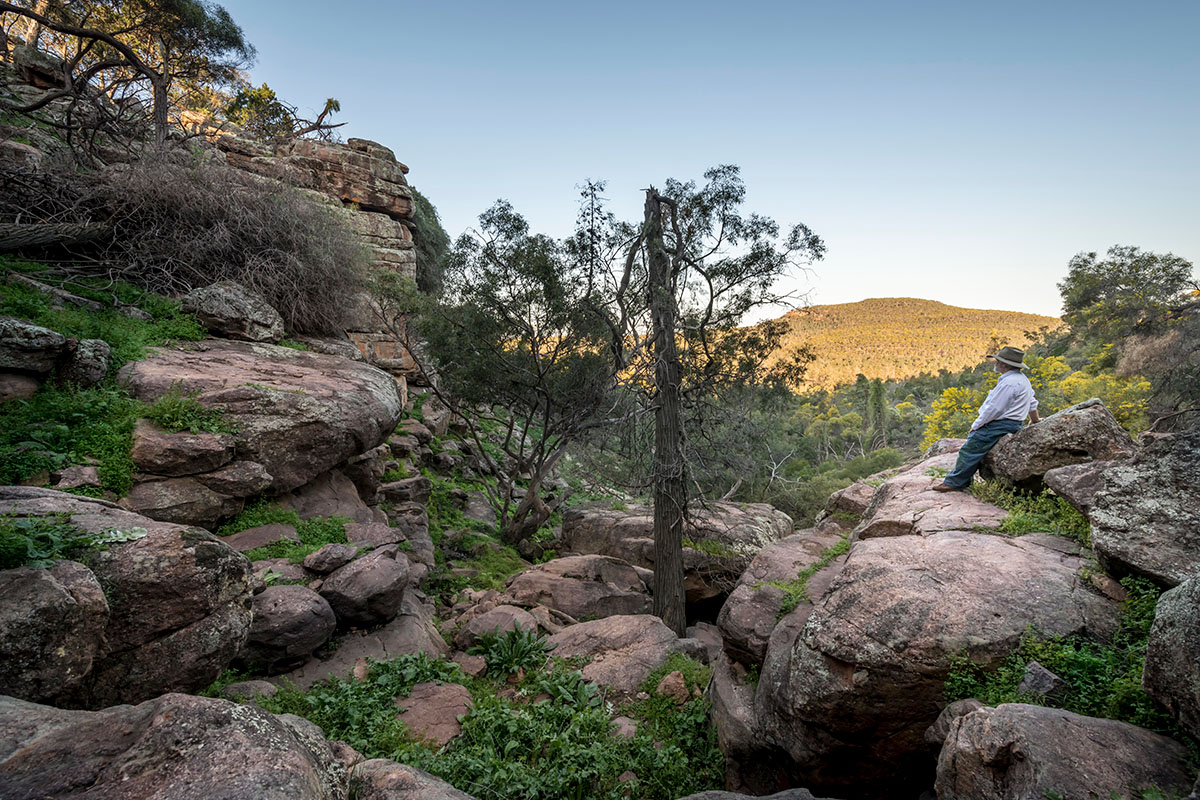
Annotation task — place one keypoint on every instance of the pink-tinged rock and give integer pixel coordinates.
(174, 747)
(298, 414)
(850, 502)
(369, 590)
(1084, 432)
(431, 711)
(410, 522)
(178, 599)
(753, 608)
(239, 479)
(474, 666)
(675, 687)
(1146, 519)
(330, 557)
(182, 500)
(943, 446)
(1018, 751)
(52, 624)
(1078, 483)
(281, 568)
(76, 478)
(366, 472)
(851, 696)
(329, 495)
(290, 622)
(413, 631)
(175, 454)
(408, 490)
(727, 536)
(907, 505)
(581, 587)
(380, 779)
(501, 619)
(623, 650)
(253, 538)
(231, 311)
(416, 429)
(14, 386)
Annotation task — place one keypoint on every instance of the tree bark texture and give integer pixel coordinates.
(670, 470)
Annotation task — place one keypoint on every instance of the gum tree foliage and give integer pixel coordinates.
(704, 265)
(158, 52)
(260, 113)
(517, 354)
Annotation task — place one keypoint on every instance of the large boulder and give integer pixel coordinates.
(290, 622)
(1078, 483)
(174, 747)
(906, 504)
(178, 600)
(1146, 519)
(1172, 672)
(26, 347)
(331, 494)
(583, 587)
(753, 609)
(298, 414)
(86, 362)
(1015, 751)
(622, 650)
(719, 540)
(159, 452)
(52, 625)
(412, 631)
(230, 310)
(380, 779)
(368, 591)
(1084, 432)
(186, 501)
(849, 699)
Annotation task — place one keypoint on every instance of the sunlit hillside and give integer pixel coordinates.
(898, 337)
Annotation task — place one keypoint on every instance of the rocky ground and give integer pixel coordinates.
(324, 534)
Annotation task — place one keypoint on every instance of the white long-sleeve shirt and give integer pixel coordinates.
(1011, 398)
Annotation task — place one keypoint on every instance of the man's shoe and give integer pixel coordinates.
(944, 487)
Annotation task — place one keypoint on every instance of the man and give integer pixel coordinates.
(1002, 413)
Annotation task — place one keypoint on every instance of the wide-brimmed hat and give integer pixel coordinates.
(1010, 356)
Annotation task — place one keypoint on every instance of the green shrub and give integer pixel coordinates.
(511, 651)
(1034, 513)
(40, 541)
(64, 425)
(1101, 680)
(796, 591)
(176, 411)
(313, 533)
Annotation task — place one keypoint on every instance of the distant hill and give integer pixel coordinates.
(899, 337)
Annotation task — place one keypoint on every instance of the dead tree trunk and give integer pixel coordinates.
(670, 470)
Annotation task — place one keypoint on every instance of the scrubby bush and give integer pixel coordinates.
(175, 224)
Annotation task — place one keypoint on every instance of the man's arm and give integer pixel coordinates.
(1033, 415)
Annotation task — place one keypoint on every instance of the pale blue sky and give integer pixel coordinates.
(957, 151)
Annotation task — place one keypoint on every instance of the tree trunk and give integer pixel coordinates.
(670, 472)
(161, 104)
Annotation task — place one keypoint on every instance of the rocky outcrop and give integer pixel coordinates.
(178, 604)
(753, 608)
(175, 747)
(498, 618)
(369, 590)
(289, 623)
(411, 631)
(1015, 751)
(26, 347)
(52, 625)
(297, 414)
(622, 650)
(907, 505)
(1146, 519)
(583, 587)
(1172, 671)
(849, 698)
(175, 454)
(431, 711)
(380, 779)
(1084, 432)
(719, 540)
(231, 311)
(1078, 483)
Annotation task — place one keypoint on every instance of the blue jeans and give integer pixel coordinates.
(977, 446)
